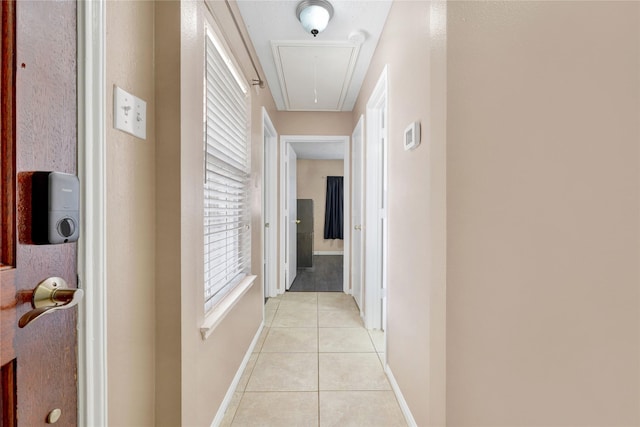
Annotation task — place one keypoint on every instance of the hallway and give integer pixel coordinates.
(314, 365)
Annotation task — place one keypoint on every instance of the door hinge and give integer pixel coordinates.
(383, 292)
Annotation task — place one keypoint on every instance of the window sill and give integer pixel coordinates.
(220, 311)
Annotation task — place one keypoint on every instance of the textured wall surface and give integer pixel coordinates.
(312, 184)
(416, 201)
(193, 375)
(313, 123)
(543, 207)
(131, 212)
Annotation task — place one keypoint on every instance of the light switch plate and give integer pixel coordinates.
(129, 113)
(140, 118)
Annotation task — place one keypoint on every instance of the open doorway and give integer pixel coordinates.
(308, 162)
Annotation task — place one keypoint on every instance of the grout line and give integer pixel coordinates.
(237, 407)
(318, 352)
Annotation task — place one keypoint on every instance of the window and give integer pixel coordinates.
(227, 240)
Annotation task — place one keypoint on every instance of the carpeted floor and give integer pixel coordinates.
(326, 275)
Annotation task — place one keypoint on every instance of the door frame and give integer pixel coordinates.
(358, 131)
(269, 202)
(92, 272)
(375, 184)
(285, 140)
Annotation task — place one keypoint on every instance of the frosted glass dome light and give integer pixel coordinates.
(314, 15)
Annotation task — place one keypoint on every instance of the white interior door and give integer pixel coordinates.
(383, 214)
(292, 225)
(266, 195)
(356, 234)
(269, 201)
(375, 256)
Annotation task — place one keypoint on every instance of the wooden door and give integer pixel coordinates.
(39, 121)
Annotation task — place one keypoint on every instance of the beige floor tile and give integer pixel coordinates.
(244, 379)
(351, 371)
(339, 319)
(231, 410)
(280, 383)
(272, 304)
(300, 296)
(279, 409)
(285, 372)
(334, 296)
(336, 340)
(377, 336)
(268, 317)
(336, 301)
(293, 305)
(360, 408)
(297, 340)
(295, 318)
(261, 338)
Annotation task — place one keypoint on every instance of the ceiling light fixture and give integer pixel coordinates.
(314, 15)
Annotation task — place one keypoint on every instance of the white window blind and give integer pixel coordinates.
(227, 241)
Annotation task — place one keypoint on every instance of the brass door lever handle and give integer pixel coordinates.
(51, 294)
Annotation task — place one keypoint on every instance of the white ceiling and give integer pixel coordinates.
(300, 68)
(318, 150)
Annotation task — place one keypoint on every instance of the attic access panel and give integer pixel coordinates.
(314, 76)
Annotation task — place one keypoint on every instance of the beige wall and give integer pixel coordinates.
(160, 372)
(312, 184)
(313, 123)
(193, 375)
(541, 163)
(168, 298)
(214, 362)
(416, 213)
(130, 217)
(543, 208)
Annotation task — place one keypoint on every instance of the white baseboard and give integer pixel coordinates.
(328, 252)
(236, 380)
(403, 403)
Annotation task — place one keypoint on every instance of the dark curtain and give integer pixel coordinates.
(334, 212)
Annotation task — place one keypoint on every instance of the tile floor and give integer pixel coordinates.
(315, 365)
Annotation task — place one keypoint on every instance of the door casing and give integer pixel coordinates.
(345, 140)
(357, 142)
(92, 342)
(376, 209)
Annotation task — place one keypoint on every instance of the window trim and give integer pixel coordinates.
(218, 311)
